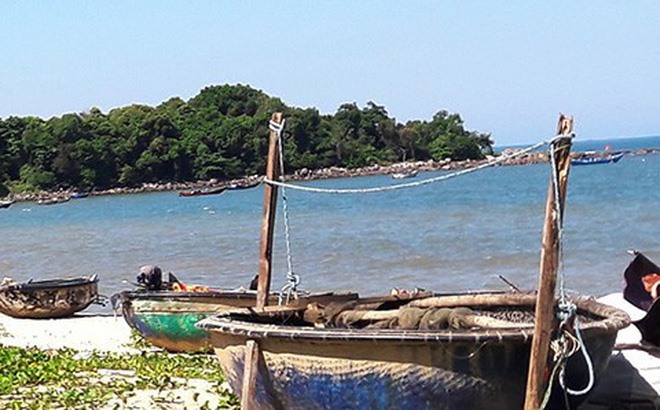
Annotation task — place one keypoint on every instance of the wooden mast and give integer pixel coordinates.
(544, 320)
(252, 358)
(268, 221)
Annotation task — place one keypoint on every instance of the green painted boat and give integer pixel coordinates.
(167, 319)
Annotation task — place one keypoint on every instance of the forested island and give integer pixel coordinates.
(219, 134)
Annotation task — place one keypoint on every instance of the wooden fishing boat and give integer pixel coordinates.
(597, 159)
(79, 195)
(404, 175)
(53, 201)
(366, 366)
(48, 299)
(5, 204)
(167, 319)
(449, 351)
(200, 192)
(241, 186)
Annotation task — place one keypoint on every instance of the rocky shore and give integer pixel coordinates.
(305, 174)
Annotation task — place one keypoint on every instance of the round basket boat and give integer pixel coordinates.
(48, 299)
(303, 367)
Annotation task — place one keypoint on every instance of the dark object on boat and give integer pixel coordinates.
(5, 204)
(254, 283)
(48, 299)
(639, 270)
(200, 192)
(167, 319)
(302, 366)
(151, 277)
(634, 290)
(649, 325)
(597, 159)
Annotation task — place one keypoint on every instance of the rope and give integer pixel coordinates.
(564, 346)
(567, 311)
(588, 362)
(409, 184)
(560, 217)
(291, 287)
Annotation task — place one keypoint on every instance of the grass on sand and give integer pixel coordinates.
(35, 379)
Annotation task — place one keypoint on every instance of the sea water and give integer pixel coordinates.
(448, 236)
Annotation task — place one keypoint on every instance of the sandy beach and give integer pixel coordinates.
(81, 332)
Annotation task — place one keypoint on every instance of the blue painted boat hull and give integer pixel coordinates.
(610, 159)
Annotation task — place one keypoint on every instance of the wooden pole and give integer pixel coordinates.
(252, 350)
(250, 368)
(537, 377)
(268, 221)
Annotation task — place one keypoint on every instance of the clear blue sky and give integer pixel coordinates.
(507, 67)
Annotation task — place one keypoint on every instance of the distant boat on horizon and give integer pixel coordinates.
(593, 159)
(199, 192)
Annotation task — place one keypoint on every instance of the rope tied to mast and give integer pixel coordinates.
(290, 289)
(569, 339)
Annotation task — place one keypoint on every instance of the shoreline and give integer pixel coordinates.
(304, 174)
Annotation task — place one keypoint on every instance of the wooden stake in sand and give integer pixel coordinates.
(537, 380)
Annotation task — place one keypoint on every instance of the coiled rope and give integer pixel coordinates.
(415, 184)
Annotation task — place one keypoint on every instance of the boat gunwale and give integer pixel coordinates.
(168, 294)
(216, 294)
(51, 283)
(613, 319)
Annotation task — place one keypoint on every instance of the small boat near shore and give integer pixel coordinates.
(48, 299)
(5, 204)
(404, 175)
(167, 319)
(165, 312)
(241, 186)
(201, 192)
(53, 201)
(79, 195)
(593, 159)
